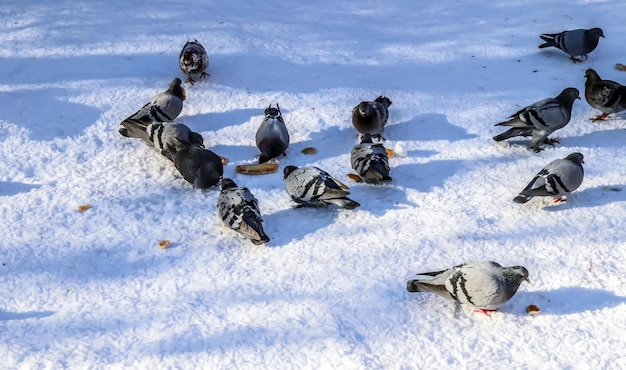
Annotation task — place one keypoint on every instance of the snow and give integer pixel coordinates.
(93, 290)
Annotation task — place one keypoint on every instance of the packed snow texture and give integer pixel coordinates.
(93, 290)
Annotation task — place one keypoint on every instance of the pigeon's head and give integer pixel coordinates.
(596, 33)
(364, 108)
(515, 275)
(209, 174)
(227, 183)
(576, 158)
(176, 89)
(271, 112)
(591, 75)
(288, 170)
(567, 96)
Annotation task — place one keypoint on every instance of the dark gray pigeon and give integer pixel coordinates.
(163, 136)
(370, 117)
(200, 167)
(370, 161)
(163, 107)
(604, 95)
(313, 187)
(193, 61)
(557, 179)
(541, 119)
(484, 285)
(272, 137)
(578, 42)
(239, 210)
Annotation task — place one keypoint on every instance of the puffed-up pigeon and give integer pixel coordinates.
(163, 136)
(578, 42)
(272, 137)
(557, 179)
(239, 210)
(313, 187)
(484, 285)
(193, 61)
(370, 117)
(604, 95)
(370, 160)
(163, 107)
(541, 119)
(200, 167)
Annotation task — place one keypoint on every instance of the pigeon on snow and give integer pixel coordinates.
(370, 161)
(239, 210)
(311, 186)
(200, 167)
(484, 285)
(163, 107)
(272, 137)
(193, 61)
(163, 136)
(578, 42)
(370, 117)
(604, 95)
(557, 179)
(540, 119)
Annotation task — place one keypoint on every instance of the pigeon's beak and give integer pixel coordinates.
(527, 280)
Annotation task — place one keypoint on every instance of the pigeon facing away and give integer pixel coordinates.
(557, 179)
(541, 119)
(576, 42)
(604, 95)
(370, 161)
(484, 285)
(370, 117)
(193, 61)
(272, 137)
(239, 210)
(163, 136)
(313, 187)
(200, 167)
(163, 107)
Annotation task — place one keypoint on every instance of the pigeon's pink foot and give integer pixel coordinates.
(601, 117)
(484, 312)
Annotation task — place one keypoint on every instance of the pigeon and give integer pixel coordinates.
(272, 137)
(370, 160)
(164, 107)
(540, 119)
(370, 117)
(313, 187)
(484, 285)
(164, 136)
(193, 61)
(200, 167)
(239, 210)
(604, 95)
(557, 179)
(576, 42)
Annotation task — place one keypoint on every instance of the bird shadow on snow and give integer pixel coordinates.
(7, 316)
(570, 300)
(606, 139)
(424, 177)
(8, 188)
(591, 197)
(214, 121)
(316, 219)
(428, 127)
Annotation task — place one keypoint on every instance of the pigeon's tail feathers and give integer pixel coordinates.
(384, 101)
(136, 129)
(549, 39)
(253, 229)
(522, 198)
(343, 202)
(418, 286)
(512, 133)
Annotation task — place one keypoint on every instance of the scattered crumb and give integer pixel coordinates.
(355, 177)
(309, 150)
(84, 207)
(532, 310)
(620, 66)
(164, 244)
(257, 169)
(389, 152)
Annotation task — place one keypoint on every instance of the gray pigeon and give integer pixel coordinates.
(239, 210)
(484, 285)
(370, 117)
(200, 167)
(576, 42)
(163, 107)
(604, 95)
(272, 137)
(370, 161)
(557, 179)
(313, 187)
(163, 136)
(540, 119)
(193, 61)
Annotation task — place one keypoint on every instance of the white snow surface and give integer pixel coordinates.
(93, 290)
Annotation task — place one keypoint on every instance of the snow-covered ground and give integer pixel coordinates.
(93, 290)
